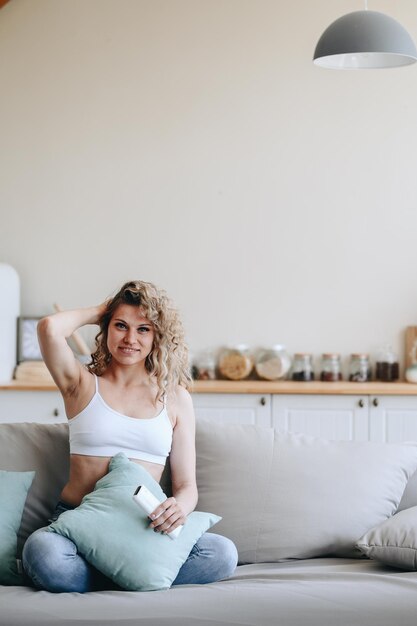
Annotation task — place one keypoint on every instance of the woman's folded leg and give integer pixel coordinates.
(53, 563)
(213, 557)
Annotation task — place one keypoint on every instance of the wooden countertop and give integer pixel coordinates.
(314, 387)
(280, 387)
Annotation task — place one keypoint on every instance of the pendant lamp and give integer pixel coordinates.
(365, 40)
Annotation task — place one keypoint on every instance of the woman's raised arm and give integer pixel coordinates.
(53, 332)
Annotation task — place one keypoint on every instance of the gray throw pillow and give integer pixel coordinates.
(409, 498)
(394, 542)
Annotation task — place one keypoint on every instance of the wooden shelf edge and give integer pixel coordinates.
(16, 385)
(259, 387)
(314, 387)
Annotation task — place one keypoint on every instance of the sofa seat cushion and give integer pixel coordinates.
(317, 592)
(113, 533)
(285, 496)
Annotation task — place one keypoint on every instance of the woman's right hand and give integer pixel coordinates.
(101, 309)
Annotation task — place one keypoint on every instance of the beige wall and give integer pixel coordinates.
(194, 144)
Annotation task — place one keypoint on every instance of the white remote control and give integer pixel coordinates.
(148, 503)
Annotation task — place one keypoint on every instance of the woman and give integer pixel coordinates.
(132, 398)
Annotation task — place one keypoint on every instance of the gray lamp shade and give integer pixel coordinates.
(365, 40)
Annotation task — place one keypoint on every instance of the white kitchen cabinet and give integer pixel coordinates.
(329, 416)
(393, 418)
(384, 418)
(243, 408)
(31, 406)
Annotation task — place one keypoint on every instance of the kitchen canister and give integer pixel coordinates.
(387, 366)
(302, 367)
(204, 365)
(9, 313)
(235, 362)
(359, 368)
(273, 363)
(331, 367)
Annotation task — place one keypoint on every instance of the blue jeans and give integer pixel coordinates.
(52, 563)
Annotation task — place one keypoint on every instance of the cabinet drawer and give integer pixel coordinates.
(233, 408)
(31, 406)
(393, 418)
(332, 416)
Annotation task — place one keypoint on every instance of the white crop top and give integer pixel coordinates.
(99, 430)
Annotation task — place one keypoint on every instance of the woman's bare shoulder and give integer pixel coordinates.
(180, 404)
(180, 395)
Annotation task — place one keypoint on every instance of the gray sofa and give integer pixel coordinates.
(295, 531)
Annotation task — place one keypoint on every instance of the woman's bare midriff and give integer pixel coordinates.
(85, 471)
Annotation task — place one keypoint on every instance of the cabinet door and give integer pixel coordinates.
(342, 418)
(31, 406)
(233, 407)
(393, 418)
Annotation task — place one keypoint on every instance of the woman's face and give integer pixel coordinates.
(130, 335)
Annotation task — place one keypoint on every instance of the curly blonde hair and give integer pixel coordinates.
(168, 359)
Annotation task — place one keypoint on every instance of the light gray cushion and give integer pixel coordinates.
(43, 448)
(285, 495)
(394, 542)
(233, 473)
(409, 498)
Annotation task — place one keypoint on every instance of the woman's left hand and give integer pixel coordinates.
(167, 516)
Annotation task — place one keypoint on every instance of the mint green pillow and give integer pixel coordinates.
(14, 487)
(113, 534)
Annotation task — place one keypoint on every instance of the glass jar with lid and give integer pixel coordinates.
(387, 366)
(204, 365)
(235, 362)
(273, 363)
(302, 367)
(359, 368)
(331, 370)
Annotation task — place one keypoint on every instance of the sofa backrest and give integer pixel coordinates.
(45, 449)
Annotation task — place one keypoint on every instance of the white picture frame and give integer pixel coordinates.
(28, 348)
